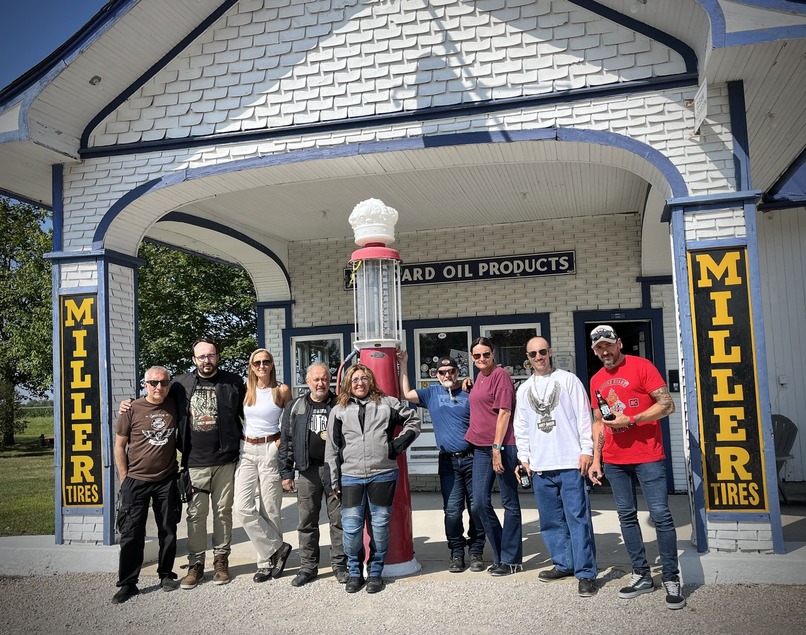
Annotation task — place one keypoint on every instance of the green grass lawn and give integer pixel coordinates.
(27, 483)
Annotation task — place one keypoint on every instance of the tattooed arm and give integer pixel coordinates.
(597, 432)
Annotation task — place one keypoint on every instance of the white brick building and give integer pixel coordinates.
(247, 131)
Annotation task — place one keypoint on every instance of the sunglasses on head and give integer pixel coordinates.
(156, 382)
(542, 352)
(262, 362)
(606, 333)
(486, 355)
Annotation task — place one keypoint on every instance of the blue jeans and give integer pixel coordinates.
(367, 499)
(565, 521)
(652, 478)
(506, 541)
(456, 483)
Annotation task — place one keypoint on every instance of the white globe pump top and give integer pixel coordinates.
(373, 222)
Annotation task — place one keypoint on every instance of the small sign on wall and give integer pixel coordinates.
(446, 271)
(700, 106)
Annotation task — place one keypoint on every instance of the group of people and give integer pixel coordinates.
(240, 456)
(242, 445)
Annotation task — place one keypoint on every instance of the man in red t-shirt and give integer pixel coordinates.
(629, 446)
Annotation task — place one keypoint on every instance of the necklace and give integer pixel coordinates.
(545, 403)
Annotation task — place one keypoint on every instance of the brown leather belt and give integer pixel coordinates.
(258, 440)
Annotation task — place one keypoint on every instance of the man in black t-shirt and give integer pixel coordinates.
(303, 431)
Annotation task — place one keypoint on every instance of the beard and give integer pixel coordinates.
(447, 383)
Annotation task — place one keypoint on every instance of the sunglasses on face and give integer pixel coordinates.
(450, 371)
(542, 352)
(157, 382)
(262, 362)
(486, 355)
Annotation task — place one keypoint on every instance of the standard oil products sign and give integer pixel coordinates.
(727, 382)
(444, 271)
(82, 466)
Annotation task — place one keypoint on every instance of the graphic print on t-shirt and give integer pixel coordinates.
(160, 433)
(203, 409)
(318, 421)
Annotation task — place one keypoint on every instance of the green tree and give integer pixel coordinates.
(26, 357)
(183, 297)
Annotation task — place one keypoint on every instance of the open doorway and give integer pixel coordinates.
(636, 336)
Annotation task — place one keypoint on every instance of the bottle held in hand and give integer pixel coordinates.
(607, 413)
(523, 477)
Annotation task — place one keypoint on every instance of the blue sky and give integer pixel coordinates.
(33, 29)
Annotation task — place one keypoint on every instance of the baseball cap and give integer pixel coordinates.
(603, 332)
(447, 361)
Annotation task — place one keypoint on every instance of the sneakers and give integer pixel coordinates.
(587, 588)
(638, 585)
(263, 574)
(194, 576)
(125, 592)
(476, 562)
(553, 574)
(375, 584)
(279, 559)
(354, 584)
(221, 568)
(501, 569)
(457, 564)
(169, 584)
(342, 575)
(674, 600)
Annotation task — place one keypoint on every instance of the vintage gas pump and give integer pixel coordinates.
(378, 331)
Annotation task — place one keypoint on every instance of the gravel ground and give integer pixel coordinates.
(467, 603)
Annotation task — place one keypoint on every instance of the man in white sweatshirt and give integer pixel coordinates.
(553, 434)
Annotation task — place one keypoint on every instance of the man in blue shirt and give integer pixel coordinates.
(449, 406)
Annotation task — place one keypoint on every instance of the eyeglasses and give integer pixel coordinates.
(157, 382)
(542, 352)
(207, 358)
(486, 355)
(450, 371)
(262, 362)
(360, 380)
(603, 333)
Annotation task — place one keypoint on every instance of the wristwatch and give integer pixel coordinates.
(497, 446)
(632, 421)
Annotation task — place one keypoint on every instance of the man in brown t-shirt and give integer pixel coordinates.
(145, 456)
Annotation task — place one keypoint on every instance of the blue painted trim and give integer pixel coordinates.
(680, 47)
(77, 290)
(104, 373)
(720, 38)
(740, 517)
(387, 119)
(611, 316)
(714, 201)
(782, 195)
(23, 199)
(741, 142)
(181, 217)
(57, 187)
(763, 396)
(647, 282)
(191, 252)
(692, 406)
(664, 165)
(58, 396)
(716, 243)
(153, 70)
(80, 256)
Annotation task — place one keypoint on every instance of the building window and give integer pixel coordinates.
(312, 349)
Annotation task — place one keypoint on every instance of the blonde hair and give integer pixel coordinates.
(251, 380)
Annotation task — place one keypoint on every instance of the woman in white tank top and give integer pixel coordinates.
(258, 487)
